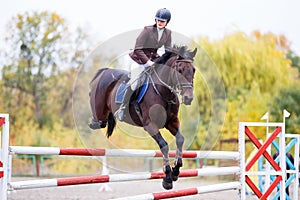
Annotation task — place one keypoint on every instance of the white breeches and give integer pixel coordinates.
(135, 71)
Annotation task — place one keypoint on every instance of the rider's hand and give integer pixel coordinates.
(149, 63)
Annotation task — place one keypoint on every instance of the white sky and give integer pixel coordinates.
(212, 18)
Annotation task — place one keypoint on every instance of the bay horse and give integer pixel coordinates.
(172, 74)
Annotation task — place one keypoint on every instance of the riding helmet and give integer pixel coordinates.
(163, 14)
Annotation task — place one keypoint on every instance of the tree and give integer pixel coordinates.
(287, 98)
(295, 60)
(252, 69)
(42, 50)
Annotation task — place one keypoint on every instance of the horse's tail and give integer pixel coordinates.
(111, 124)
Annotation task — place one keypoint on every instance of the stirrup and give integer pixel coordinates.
(120, 113)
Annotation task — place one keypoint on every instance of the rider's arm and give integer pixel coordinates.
(140, 45)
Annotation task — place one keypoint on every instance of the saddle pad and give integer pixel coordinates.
(121, 91)
(143, 91)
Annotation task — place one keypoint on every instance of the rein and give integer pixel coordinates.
(177, 88)
(172, 101)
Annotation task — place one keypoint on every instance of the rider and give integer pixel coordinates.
(145, 51)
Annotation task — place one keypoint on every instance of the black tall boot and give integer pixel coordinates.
(121, 111)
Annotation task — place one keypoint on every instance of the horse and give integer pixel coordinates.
(172, 75)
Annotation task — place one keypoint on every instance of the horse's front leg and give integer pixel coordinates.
(164, 148)
(173, 127)
(178, 160)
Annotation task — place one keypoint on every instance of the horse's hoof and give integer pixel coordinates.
(174, 178)
(94, 124)
(103, 124)
(167, 185)
(175, 173)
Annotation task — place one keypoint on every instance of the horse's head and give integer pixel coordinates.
(184, 74)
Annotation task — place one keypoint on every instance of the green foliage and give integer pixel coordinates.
(243, 60)
(38, 73)
(287, 98)
(252, 69)
(43, 61)
(295, 60)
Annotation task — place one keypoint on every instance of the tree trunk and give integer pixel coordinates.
(66, 104)
(37, 107)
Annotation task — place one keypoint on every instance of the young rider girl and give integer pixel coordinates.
(145, 51)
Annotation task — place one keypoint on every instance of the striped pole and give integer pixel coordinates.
(185, 192)
(119, 152)
(118, 178)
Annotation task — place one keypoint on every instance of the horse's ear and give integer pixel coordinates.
(194, 52)
(181, 51)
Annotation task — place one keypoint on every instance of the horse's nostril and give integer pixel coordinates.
(187, 100)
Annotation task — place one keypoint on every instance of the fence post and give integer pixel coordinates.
(4, 161)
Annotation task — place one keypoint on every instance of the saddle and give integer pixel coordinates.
(138, 94)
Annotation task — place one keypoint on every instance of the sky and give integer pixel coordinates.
(192, 18)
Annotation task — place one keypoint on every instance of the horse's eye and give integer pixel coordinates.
(180, 71)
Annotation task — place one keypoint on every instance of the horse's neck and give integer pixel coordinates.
(164, 72)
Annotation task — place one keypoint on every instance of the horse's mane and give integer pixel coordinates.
(182, 51)
(176, 50)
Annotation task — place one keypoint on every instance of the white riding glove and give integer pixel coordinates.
(149, 63)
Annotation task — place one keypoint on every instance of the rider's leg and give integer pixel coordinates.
(130, 87)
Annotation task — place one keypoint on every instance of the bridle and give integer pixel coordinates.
(179, 85)
(176, 86)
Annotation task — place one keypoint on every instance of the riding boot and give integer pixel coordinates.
(121, 111)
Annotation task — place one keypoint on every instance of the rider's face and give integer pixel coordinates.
(161, 24)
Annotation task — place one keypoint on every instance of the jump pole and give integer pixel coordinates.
(30, 184)
(185, 192)
(232, 155)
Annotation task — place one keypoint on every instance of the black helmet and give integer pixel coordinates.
(163, 14)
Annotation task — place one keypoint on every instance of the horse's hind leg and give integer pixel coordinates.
(97, 108)
(97, 124)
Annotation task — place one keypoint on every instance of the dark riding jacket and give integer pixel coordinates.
(147, 44)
